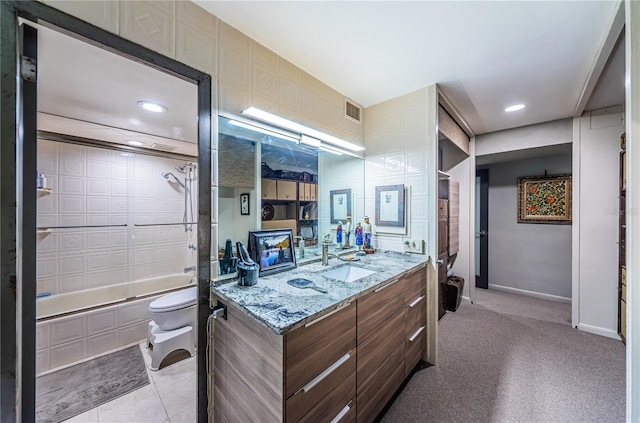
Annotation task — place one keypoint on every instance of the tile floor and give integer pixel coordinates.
(170, 397)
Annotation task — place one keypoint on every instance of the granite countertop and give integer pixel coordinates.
(282, 307)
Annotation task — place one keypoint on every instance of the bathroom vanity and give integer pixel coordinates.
(286, 354)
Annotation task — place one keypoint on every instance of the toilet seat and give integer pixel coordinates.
(174, 301)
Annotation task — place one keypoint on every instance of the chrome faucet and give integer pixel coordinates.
(189, 269)
(326, 255)
(300, 246)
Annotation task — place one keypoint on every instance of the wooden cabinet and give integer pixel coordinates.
(269, 189)
(387, 318)
(316, 346)
(294, 206)
(343, 366)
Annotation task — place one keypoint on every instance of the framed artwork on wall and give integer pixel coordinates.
(544, 199)
(390, 205)
(340, 200)
(244, 204)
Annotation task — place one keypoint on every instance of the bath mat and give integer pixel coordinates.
(68, 392)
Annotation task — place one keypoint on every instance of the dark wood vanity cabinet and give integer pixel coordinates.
(343, 366)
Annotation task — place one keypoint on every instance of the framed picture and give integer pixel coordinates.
(244, 204)
(272, 250)
(340, 205)
(544, 199)
(390, 205)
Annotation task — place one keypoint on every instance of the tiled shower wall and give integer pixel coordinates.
(113, 218)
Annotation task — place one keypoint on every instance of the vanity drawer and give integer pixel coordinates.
(376, 349)
(373, 396)
(326, 395)
(379, 306)
(312, 348)
(415, 284)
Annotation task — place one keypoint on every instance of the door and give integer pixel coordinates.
(482, 228)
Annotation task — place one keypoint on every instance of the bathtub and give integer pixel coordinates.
(78, 326)
(70, 302)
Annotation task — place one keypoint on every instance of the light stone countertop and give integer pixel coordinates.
(282, 307)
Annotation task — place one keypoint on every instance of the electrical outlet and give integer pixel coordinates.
(412, 245)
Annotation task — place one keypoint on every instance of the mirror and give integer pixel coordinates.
(267, 180)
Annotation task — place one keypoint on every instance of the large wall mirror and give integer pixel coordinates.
(269, 180)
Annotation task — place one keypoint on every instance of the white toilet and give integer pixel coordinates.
(175, 310)
(173, 325)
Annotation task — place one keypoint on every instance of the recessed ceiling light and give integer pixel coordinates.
(515, 108)
(152, 107)
(135, 143)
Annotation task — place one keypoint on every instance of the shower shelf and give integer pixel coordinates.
(43, 231)
(45, 191)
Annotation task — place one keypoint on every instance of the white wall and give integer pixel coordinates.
(525, 256)
(525, 137)
(236, 226)
(596, 149)
(462, 173)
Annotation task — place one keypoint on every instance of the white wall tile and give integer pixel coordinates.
(98, 205)
(100, 261)
(98, 186)
(72, 241)
(98, 220)
(119, 275)
(98, 239)
(102, 320)
(72, 283)
(71, 264)
(42, 335)
(119, 259)
(101, 343)
(71, 352)
(119, 188)
(71, 165)
(72, 219)
(119, 171)
(67, 329)
(130, 334)
(98, 169)
(144, 255)
(42, 361)
(119, 205)
(47, 285)
(71, 204)
(99, 278)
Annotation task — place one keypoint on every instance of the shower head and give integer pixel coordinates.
(187, 167)
(167, 175)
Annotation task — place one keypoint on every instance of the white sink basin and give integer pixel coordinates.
(348, 273)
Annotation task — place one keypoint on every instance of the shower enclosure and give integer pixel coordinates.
(115, 230)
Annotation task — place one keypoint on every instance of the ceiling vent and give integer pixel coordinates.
(353, 111)
(163, 147)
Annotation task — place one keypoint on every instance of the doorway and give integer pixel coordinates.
(482, 228)
(19, 236)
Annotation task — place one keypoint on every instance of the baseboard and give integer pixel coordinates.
(599, 331)
(531, 293)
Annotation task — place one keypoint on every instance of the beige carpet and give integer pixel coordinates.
(509, 358)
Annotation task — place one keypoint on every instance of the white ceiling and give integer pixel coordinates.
(485, 54)
(86, 83)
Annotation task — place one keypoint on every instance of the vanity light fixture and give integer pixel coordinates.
(330, 150)
(135, 143)
(313, 142)
(302, 129)
(515, 108)
(152, 107)
(263, 131)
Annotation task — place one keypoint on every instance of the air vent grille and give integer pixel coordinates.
(163, 147)
(352, 111)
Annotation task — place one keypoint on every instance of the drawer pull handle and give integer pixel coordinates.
(342, 413)
(416, 301)
(415, 335)
(309, 386)
(327, 315)
(415, 270)
(387, 285)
